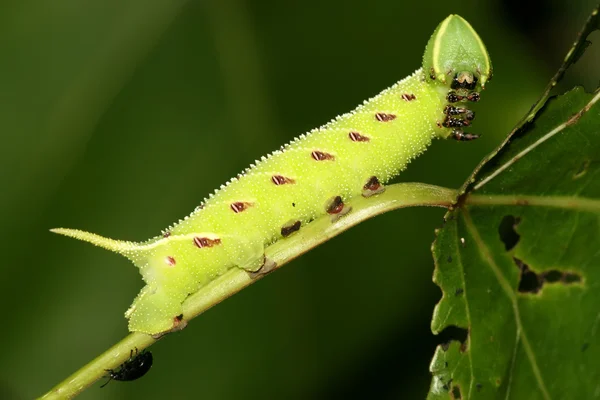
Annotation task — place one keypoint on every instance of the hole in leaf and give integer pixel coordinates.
(531, 282)
(508, 234)
(453, 333)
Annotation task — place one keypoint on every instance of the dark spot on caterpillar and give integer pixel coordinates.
(357, 137)
(170, 261)
(290, 228)
(334, 205)
(408, 97)
(166, 234)
(321, 156)
(372, 184)
(458, 291)
(372, 187)
(451, 110)
(281, 180)
(132, 369)
(240, 206)
(452, 97)
(473, 96)
(384, 117)
(293, 204)
(450, 122)
(202, 242)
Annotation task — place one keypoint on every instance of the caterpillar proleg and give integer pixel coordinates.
(318, 173)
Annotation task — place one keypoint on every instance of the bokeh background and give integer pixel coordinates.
(118, 117)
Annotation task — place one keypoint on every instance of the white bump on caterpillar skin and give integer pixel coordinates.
(366, 108)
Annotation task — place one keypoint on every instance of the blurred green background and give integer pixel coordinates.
(119, 117)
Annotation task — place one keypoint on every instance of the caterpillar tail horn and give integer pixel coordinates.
(125, 248)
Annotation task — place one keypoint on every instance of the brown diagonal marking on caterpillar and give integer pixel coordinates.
(408, 97)
(384, 117)
(357, 137)
(321, 156)
(282, 180)
(240, 206)
(170, 261)
(202, 242)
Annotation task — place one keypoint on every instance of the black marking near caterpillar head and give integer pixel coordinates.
(464, 80)
(133, 368)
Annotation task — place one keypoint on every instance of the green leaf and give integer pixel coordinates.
(518, 262)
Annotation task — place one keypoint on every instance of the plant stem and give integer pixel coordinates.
(396, 196)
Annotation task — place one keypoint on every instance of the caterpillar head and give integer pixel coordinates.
(456, 57)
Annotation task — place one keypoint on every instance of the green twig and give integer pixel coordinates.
(319, 231)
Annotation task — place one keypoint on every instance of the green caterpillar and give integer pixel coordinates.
(314, 175)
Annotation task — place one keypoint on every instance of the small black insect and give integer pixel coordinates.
(133, 368)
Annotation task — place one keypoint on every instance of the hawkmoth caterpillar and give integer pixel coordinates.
(316, 174)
